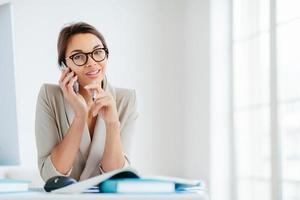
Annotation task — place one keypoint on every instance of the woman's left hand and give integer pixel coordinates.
(104, 104)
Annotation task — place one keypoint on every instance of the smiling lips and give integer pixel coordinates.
(93, 74)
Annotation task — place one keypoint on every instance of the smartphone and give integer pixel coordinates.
(76, 84)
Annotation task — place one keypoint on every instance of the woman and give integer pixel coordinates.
(86, 131)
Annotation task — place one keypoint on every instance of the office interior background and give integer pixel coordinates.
(216, 81)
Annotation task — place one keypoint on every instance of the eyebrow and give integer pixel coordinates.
(78, 50)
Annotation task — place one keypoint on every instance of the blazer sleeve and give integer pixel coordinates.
(47, 136)
(128, 122)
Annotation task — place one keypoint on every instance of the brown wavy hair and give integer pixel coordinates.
(68, 31)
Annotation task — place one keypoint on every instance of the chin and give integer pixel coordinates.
(87, 81)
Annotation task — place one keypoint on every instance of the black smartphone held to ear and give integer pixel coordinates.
(76, 84)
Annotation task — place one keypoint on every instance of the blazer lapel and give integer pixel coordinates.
(98, 144)
(96, 150)
(92, 151)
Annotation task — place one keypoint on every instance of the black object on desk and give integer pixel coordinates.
(57, 182)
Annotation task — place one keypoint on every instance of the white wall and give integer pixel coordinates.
(159, 47)
(197, 95)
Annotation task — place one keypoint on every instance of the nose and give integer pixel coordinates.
(90, 61)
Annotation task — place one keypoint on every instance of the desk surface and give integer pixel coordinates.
(37, 195)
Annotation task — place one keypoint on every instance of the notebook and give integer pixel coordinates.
(11, 185)
(136, 185)
(115, 177)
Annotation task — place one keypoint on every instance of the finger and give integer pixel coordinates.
(103, 98)
(71, 83)
(94, 90)
(100, 104)
(93, 86)
(97, 105)
(102, 94)
(66, 81)
(101, 90)
(63, 88)
(97, 110)
(67, 78)
(103, 101)
(63, 74)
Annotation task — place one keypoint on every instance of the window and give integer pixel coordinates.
(256, 121)
(288, 63)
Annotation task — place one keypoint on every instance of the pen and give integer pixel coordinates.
(94, 95)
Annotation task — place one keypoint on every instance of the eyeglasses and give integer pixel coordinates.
(97, 55)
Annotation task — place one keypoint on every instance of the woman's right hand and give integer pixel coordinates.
(76, 101)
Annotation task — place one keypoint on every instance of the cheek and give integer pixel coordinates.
(82, 79)
(81, 75)
(70, 64)
(103, 66)
(77, 72)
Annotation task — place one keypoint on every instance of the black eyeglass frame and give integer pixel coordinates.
(87, 56)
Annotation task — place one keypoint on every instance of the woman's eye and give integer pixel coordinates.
(78, 57)
(98, 52)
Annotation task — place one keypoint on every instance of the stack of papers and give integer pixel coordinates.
(127, 180)
(136, 185)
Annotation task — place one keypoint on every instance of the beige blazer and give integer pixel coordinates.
(53, 118)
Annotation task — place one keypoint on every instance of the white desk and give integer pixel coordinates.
(35, 195)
